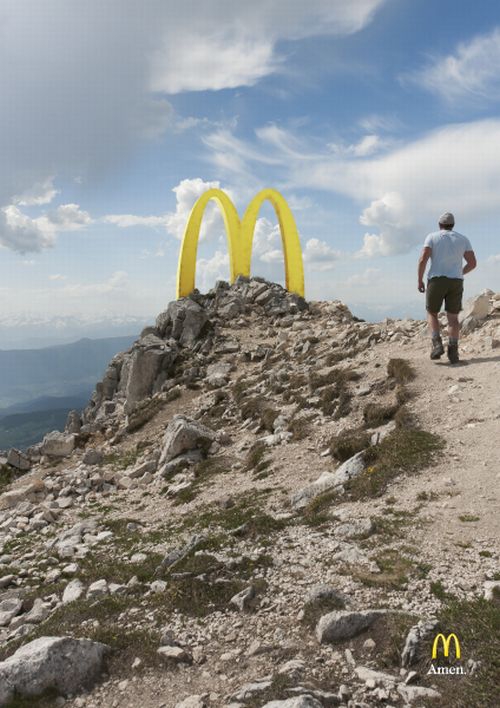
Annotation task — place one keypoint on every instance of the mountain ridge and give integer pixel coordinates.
(265, 503)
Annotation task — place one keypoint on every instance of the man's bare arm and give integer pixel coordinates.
(470, 262)
(422, 264)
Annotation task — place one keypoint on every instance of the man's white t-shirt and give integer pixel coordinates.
(448, 248)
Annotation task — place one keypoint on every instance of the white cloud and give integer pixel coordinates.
(367, 145)
(40, 193)
(234, 44)
(365, 279)
(318, 255)
(471, 72)
(124, 221)
(494, 259)
(117, 283)
(209, 270)
(395, 235)
(401, 192)
(25, 234)
(58, 276)
(211, 63)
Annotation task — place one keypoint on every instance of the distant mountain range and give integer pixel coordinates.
(39, 386)
(18, 331)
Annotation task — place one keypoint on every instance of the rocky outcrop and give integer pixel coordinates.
(58, 444)
(62, 664)
(156, 360)
(184, 435)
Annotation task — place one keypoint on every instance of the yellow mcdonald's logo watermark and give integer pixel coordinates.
(446, 645)
(240, 239)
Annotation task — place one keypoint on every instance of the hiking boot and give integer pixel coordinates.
(437, 348)
(453, 353)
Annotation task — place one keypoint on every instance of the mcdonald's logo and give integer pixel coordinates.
(446, 645)
(240, 238)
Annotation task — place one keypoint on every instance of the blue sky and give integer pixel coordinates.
(372, 117)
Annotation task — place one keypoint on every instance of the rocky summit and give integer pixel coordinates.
(266, 502)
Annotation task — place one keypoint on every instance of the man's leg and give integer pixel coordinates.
(432, 319)
(437, 350)
(453, 333)
(434, 300)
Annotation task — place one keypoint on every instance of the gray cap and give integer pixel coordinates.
(447, 219)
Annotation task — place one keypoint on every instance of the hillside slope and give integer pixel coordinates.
(268, 499)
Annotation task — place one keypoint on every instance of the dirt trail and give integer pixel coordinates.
(462, 404)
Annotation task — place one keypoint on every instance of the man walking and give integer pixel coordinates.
(447, 250)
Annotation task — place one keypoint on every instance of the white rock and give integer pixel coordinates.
(306, 701)
(97, 589)
(491, 589)
(342, 624)
(60, 663)
(73, 591)
(416, 693)
(38, 613)
(175, 654)
(8, 609)
(194, 701)
(56, 444)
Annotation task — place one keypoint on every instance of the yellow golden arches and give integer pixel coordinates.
(240, 239)
(187, 258)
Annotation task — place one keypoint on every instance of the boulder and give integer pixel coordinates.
(188, 319)
(17, 459)
(32, 492)
(74, 590)
(9, 608)
(146, 366)
(184, 434)
(63, 664)
(340, 625)
(56, 444)
(477, 307)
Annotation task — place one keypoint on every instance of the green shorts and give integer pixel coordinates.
(448, 289)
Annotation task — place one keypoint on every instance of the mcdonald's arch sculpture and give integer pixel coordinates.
(240, 239)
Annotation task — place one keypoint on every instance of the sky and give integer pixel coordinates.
(371, 117)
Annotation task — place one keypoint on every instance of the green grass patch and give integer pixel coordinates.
(476, 623)
(404, 450)
(468, 518)
(394, 571)
(123, 459)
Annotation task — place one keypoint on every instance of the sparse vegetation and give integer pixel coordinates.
(476, 623)
(403, 450)
(400, 370)
(120, 460)
(376, 414)
(315, 513)
(7, 476)
(348, 443)
(395, 569)
(468, 518)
